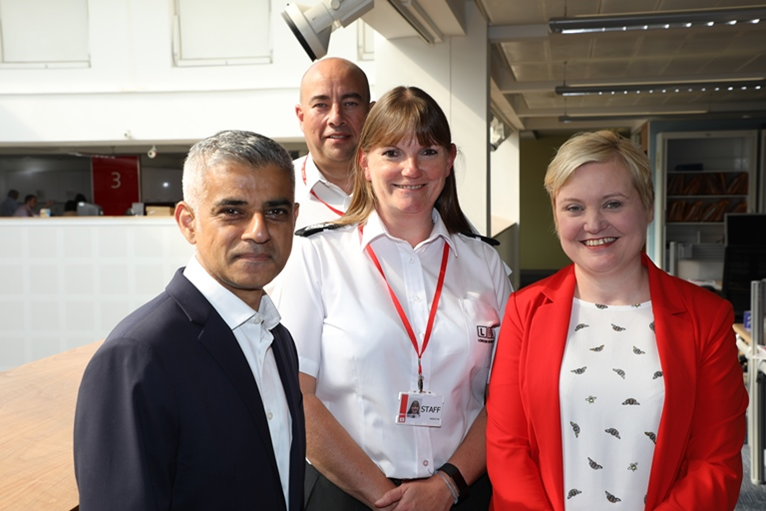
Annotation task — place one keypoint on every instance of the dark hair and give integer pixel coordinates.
(402, 113)
(13, 194)
(243, 147)
(29, 197)
(70, 205)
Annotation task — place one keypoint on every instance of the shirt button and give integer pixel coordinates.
(425, 463)
(270, 415)
(417, 298)
(412, 260)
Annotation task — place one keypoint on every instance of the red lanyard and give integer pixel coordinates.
(403, 316)
(303, 175)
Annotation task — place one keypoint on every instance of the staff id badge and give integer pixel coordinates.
(420, 409)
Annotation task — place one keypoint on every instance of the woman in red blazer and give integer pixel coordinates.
(613, 382)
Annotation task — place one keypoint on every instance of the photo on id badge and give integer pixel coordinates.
(420, 409)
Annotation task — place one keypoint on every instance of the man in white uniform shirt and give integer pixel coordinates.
(334, 102)
(193, 401)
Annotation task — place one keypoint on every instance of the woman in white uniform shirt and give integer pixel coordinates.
(365, 298)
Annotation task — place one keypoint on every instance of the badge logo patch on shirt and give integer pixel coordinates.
(485, 333)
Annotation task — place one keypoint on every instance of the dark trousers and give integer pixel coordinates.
(322, 495)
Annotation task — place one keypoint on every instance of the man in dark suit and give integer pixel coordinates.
(193, 402)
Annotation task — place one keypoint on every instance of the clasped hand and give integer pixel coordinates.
(430, 494)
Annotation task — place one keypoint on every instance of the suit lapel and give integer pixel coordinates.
(286, 357)
(678, 361)
(223, 347)
(547, 340)
(219, 341)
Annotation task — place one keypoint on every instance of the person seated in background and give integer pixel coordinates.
(29, 208)
(85, 208)
(399, 302)
(70, 208)
(10, 204)
(613, 382)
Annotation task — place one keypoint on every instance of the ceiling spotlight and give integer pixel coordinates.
(312, 25)
(152, 153)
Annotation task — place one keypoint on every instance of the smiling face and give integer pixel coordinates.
(601, 219)
(242, 226)
(334, 104)
(407, 178)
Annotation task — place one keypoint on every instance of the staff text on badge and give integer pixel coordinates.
(420, 409)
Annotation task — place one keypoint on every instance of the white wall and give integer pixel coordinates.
(506, 208)
(504, 186)
(66, 282)
(65, 285)
(133, 92)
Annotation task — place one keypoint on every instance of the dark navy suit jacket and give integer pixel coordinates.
(169, 416)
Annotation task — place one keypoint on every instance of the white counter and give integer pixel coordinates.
(66, 281)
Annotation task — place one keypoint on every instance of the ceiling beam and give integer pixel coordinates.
(503, 108)
(507, 33)
(553, 124)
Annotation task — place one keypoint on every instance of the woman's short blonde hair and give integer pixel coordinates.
(600, 147)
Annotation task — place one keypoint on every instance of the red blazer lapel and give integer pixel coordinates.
(546, 343)
(679, 369)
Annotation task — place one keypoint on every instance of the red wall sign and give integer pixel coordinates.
(115, 183)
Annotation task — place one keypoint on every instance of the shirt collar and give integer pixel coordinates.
(313, 176)
(233, 310)
(374, 229)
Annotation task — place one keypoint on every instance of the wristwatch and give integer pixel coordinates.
(452, 471)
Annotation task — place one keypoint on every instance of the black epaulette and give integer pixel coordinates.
(489, 241)
(315, 228)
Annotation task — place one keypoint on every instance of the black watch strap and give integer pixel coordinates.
(452, 471)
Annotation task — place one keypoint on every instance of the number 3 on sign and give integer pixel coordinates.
(116, 183)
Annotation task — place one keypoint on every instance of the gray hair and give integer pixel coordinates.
(243, 147)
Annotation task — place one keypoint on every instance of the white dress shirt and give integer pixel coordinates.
(318, 207)
(252, 330)
(351, 339)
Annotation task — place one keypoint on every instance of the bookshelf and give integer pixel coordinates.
(701, 176)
